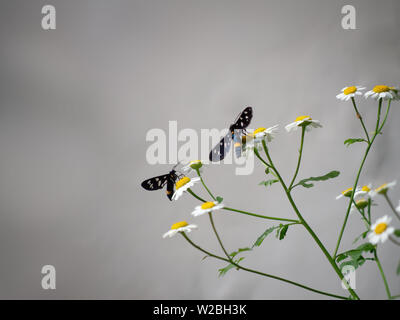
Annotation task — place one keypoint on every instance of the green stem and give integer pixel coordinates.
(260, 273)
(260, 216)
(303, 131)
(391, 205)
(242, 211)
(211, 217)
(360, 169)
(369, 211)
(362, 213)
(382, 274)
(359, 117)
(218, 238)
(304, 223)
(204, 185)
(379, 116)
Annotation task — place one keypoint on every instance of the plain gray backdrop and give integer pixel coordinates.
(76, 104)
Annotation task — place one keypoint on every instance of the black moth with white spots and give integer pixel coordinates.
(238, 127)
(159, 182)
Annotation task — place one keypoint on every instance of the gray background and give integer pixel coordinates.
(77, 102)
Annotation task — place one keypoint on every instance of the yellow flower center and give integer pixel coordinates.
(180, 183)
(207, 205)
(382, 189)
(259, 130)
(380, 228)
(366, 189)
(179, 225)
(349, 90)
(303, 118)
(347, 192)
(380, 88)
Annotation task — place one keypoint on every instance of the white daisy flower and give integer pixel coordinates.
(207, 207)
(383, 189)
(349, 92)
(301, 121)
(365, 191)
(182, 185)
(268, 133)
(193, 166)
(383, 92)
(345, 193)
(253, 139)
(182, 226)
(380, 230)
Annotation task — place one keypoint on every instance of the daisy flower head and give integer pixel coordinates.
(265, 133)
(380, 230)
(383, 189)
(345, 193)
(207, 207)
(182, 185)
(350, 92)
(181, 226)
(383, 92)
(361, 203)
(365, 191)
(253, 139)
(303, 121)
(193, 166)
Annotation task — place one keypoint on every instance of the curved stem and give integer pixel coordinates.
(303, 131)
(204, 185)
(359, 171)
(218, 238)
(305, 224)
(359, 117)
(382, 274)
(379, 117)
(242, 211)
(260, 273)
(391, 205)
(260, 216)
(211, 217)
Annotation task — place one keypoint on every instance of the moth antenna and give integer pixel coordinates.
(179, 162)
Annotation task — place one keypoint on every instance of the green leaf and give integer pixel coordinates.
(268, 182)
(330, 175)
(267, 171)
(261, 238)
(353, 140)
(362, 235)
(230, 266)
(219, 199)
(282, 231)
(355, 256)
(234, 253)
(397, 232)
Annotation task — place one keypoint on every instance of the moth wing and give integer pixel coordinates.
(155, 183)
(244, 118)
(237, 144)
(221, 149)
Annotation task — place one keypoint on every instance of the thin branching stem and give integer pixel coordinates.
(305, 224)
(259, 272)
